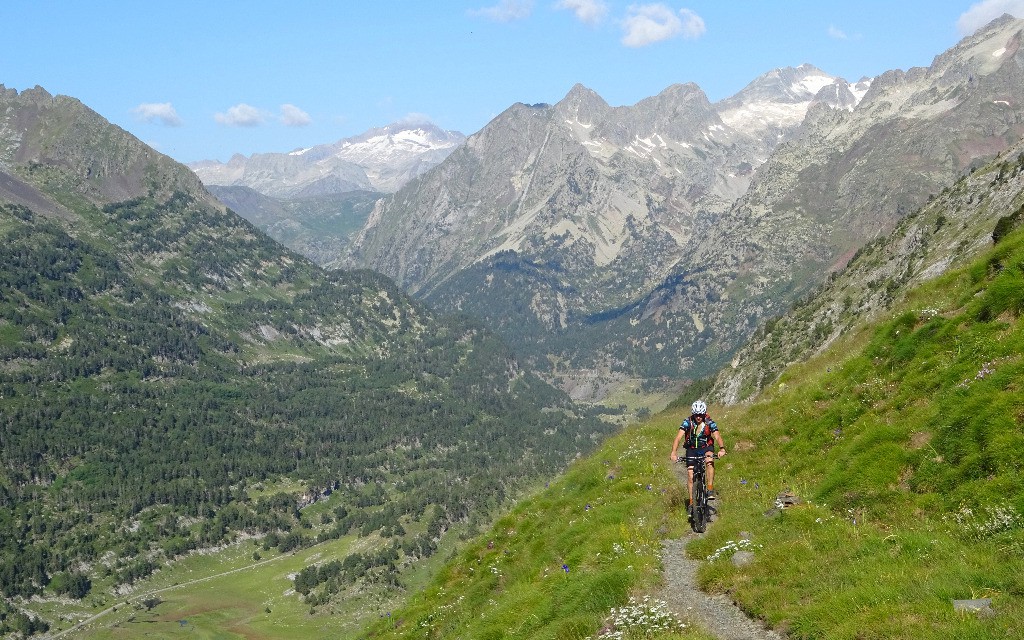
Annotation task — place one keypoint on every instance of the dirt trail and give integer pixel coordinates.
(716, 613)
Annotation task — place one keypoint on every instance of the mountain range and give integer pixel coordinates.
(650, 241)
(381, 159)
(616, 246)
(172, 381)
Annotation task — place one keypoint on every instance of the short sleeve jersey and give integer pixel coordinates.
(698, 435)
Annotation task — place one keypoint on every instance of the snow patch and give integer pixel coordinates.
(998, 53)
(764, 114)
(812, 84)
(860, 89)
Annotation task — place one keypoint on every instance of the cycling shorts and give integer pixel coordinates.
(693, 455)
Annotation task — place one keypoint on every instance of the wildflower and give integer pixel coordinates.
(565, 568)
(732, 547)
(743, 481)
(641, 619)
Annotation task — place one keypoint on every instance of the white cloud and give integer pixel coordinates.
(415, 118)
(162, 112)
(505, 11)
(650, 23)
(693, 25)
(293, 116)
(588, 11)
(837, 33)
(981, 13)
(241, 115)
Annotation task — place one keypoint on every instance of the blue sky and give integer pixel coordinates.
(206, 79)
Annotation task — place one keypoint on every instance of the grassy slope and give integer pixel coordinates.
(905, 443)
(908, 441)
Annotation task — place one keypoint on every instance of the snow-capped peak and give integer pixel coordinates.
(778, 101)
(384, 159)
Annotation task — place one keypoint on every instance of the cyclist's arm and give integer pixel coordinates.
(717, 435)
(675, 445)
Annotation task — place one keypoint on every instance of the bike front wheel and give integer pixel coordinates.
(700, 508)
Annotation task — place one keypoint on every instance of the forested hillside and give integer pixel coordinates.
(161, 359)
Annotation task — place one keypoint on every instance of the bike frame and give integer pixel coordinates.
(702, 511)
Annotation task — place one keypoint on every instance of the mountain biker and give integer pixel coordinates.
(699, 430)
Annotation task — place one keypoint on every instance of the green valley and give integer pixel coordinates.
(173, 381)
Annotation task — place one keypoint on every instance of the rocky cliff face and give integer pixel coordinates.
(608, 192)
(945, 233)
(849, 177)
(557, 222)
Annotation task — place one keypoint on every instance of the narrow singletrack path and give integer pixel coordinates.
(717, 613)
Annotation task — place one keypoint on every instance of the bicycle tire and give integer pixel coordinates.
(700, 505)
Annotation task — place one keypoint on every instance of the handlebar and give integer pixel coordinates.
(701, 453)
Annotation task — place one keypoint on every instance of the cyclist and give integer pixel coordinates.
(699, 431)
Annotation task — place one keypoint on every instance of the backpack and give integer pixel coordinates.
(693, 438)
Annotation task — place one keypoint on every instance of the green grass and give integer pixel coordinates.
(227, 595)
(891, 438)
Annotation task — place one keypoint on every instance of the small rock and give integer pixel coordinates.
(744, 535)
(788, 499)
(742, 558)
(982, 607)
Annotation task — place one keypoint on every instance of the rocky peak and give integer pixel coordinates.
(106, 161)
(837, 95)
(788, 85)
(36, 95)
(582, 105)
(774, 105)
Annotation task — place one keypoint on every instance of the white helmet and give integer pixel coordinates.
(699, 407)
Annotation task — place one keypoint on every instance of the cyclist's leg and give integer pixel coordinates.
(689, 483)
(709, 469)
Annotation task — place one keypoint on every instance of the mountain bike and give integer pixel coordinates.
(701, 511)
